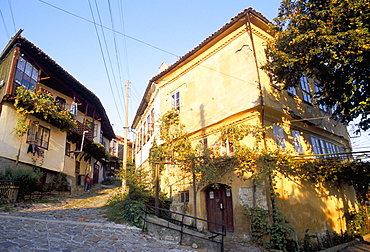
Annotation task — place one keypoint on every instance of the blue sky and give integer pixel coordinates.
(149, 32)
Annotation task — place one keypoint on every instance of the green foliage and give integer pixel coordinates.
(335, 171)
(272, 224)
(132, 212)
(112, 181)
(42, 106)
(261, 166)
(95, 150)
(28, 179)
(208, 163)
(125, 208)
(60, 182)
(176, 144)
(328, 40)
(136, 181)
(357, 223)
(129, 207)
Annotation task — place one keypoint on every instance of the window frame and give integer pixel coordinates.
(292, 90)
(27, 74)
(37, 133)
(176, 100)
(184, 196)
(279, 136)
(305, 87)
(321, 146)
(297, 142)
(318, 89)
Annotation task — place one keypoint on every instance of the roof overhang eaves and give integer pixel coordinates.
(242, 15)
(54, 67)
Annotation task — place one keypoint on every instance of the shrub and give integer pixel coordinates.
(60, 182)
(132, 212)
(112, 181)
(27, 179)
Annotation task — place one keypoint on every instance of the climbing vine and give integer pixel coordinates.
(209, 165)
(278, 229)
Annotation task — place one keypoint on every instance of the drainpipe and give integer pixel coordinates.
(258, 79)
(262, 115)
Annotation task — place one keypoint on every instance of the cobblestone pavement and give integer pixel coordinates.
(77, 225)
(68, 227)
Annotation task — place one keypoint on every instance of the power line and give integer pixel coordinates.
(105, 64)
(105, 27)
(121, 15)
(117, 57)
(109, 58)
(11, 13)
(6, 29)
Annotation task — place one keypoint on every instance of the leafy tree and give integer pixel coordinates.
(328, 40)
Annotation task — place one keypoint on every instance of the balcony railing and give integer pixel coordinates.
(89, 135)
(363, 156)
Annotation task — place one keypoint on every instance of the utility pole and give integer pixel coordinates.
(125, 133)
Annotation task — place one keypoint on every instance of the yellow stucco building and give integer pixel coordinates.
(220, 83)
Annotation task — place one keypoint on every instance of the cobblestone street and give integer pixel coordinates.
(77, 224)
(72, 225)
(36, 234)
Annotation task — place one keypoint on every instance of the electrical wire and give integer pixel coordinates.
(6, 29)
(105, 27)
(11, 13)
(121, 15)
(117, 58)
(140, 41)
(109, 59)
(105, 64)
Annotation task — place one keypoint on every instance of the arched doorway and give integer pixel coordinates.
(219, 205)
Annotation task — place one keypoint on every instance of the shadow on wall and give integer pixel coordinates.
(316, 209)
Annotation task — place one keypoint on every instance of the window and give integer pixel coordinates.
(292, 91)
(26, 74)
(317, 145)
(318, 91)
(78, 168)
(229, 147)
(320, 146)
(38, 135)
(101, 138)
(151, 123)
(203, 144)
(184, 196)
(68, 149)
(60, 101)
(297, 142)
(95, 129)
(175, 100)
(144, 133)
(305, 89)
(279, 136)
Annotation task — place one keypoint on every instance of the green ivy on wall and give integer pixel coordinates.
(259, 164)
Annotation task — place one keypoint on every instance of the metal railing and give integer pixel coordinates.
(363, 156)
(186, 224)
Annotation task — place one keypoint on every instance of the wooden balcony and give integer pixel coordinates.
(79, 130)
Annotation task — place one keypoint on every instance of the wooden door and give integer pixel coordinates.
(220, 208)
(96, 174)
